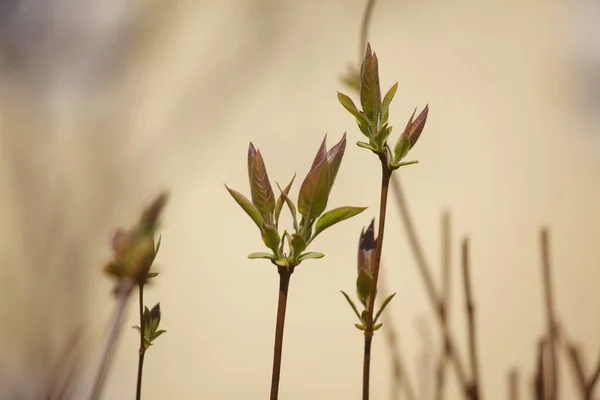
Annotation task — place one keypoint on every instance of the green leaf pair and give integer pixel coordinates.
(362, 316)
(312, 201)
(151, 322)
(373, 119)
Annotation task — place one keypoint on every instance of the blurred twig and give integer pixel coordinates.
(364, 29)
(551, 318)
(475, 380)
(446, 266)
(435, 300)
(513, 385)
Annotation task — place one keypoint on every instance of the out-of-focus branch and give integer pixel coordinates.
(552, 381)
(435, 299)
(446, 266)
(474, 386)
(513, 385)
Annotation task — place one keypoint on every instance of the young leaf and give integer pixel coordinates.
(260, 188)
(383, 306)
(268, 256)
(334, 159)
(297, 245)
(247, 206)
(314, 191)
(310, 255)
(334, 216)
(368, 55)
(363, 286)
(385, 104)
(359, 327)
(376, 327)
(321, 154)
(271, 237)
(401, 149)
(349, 300)
(366, 146)
(281, 199)
(370, 93)
(290, 205)
(417, 126)
(349, 105)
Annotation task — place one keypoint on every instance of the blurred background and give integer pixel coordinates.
(104, 103)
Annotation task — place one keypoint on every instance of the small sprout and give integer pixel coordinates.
(134, 250)
(372, 120)
(151, 321)
(312, 201)
(366, 257)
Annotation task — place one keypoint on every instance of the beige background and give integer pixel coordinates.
(110, 105)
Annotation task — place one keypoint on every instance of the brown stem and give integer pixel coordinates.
(474, 390)
(435, 299)
(284, 283)
(367, 366)
(550, 315)
(540, 376)
(513, 385)
(123, 292)
(142, 350)
(446, 266)
(386, 174)
(364, 30)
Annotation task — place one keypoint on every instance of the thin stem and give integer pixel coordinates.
(123, 292)
(471, 322)
(577, 365)
(550, 314)
(367, 366)
(386, 174)
(364, 29)
(284, 283)
(142, 351)
(435, 300)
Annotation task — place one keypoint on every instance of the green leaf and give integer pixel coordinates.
(290, 205)
(383, 135)
(383, 306)
(137, 328)
(364, 316)
(376, 327)
(401, 149)
(247, 206)
(260, 187)
(157, 246)
(314, 192)
(349, 300)
(268, 256)
(402, 164)
(310, 255)
(157, 334)
(417, 127)
(370, 93)
(363, 286)
(349, 105)
(334, 216)
(281, 199)
(385, 104)
(367, 146)
(271, 237)
(297, 245)
(360, 327)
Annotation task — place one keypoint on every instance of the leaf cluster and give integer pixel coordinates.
(308, 214)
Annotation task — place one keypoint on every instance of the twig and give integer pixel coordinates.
(123, 292)
(386, 174)
(577, 365)
(364, 29)
(540, 376)
(475, 383)
(142, 351)
(424, 269)
(284, 283)
(550, 315)
(400, 376)
(513, 385)
(593, 380)
(446, 265)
